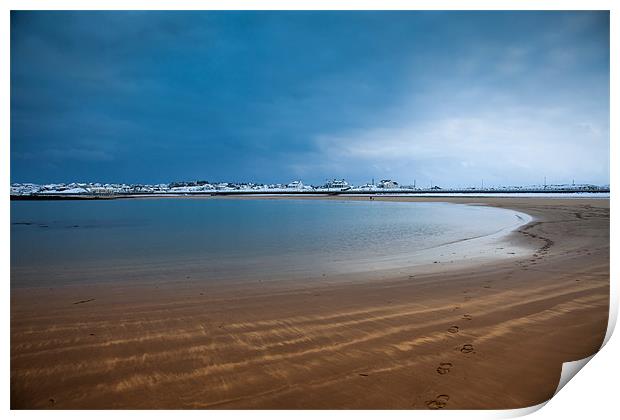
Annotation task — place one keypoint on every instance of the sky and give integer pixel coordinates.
(439, 98)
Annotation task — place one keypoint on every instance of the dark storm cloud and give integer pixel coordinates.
(271, 96)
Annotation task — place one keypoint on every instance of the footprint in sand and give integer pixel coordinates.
(439, 402)
(467, 317)
(444, 368)
(453, 329)
(467, 348)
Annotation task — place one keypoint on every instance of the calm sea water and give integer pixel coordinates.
(57, 242)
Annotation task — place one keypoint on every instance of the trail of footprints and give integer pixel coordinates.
(541, 252)
(441, 401)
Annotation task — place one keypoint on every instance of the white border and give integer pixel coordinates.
(592, 394)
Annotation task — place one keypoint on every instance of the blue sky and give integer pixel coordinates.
(447, 97)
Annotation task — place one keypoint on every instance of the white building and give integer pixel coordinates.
(297, 185)
(387, 183)
(337, 183)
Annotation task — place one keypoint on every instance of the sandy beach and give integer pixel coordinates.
(489, 336)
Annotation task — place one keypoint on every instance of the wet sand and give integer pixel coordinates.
(487, 336)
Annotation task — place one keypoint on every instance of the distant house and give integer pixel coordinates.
(101, 190)
(337, 183)
(387, 183)
(297, 185)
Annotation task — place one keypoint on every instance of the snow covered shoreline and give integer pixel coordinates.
(337, 187)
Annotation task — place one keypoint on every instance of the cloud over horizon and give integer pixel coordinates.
(447, 97)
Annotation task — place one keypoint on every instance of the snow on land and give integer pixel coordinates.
(78, 190)
(565, 190)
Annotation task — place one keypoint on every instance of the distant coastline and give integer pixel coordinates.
(95, 191)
